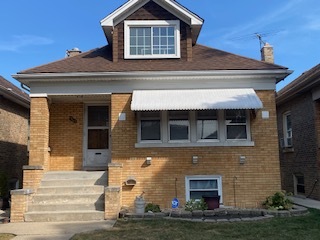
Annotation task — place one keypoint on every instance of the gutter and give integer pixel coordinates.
(26, 78)
(14, 97)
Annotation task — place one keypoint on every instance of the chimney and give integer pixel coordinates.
(73, 52)
(267, 53)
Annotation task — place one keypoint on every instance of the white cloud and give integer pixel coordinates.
(265, 21)
(20, 41)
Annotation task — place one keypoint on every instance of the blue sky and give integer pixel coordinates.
(37, 32)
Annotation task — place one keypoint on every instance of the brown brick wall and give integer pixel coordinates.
(13, 138)
(66, 137)
(256, 179)
(303, 156)
(152, 11)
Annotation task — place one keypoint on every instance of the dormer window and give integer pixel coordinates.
(152, 39)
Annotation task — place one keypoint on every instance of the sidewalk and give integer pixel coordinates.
(52, 231)
(306, 202)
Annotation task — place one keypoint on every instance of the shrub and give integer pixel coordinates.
(152, 207)
(278, 201)
(192, 205)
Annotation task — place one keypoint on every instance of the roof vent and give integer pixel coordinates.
(73, 52)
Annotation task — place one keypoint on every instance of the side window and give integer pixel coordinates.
(150, 126)
(236, 124)
(287, 128)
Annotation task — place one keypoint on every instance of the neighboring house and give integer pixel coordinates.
(165, 115)
(14, 127)
(298, 110)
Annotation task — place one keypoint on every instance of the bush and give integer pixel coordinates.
(278, 201)
(152, 207)
(192, 205)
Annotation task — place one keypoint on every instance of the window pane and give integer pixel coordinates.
(163, 38)
(150, 130)
(207, 129)
(203, 184)
(170, 31)
(207, 125)
(179, 125)
(236, 116)
(98, 116)
(197, 195)
(140, 41)
(288, 119)
(179, 129)
(98, 138)
(236, 132)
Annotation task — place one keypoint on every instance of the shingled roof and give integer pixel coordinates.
(15, 94)
(306, 81)
(204, 59)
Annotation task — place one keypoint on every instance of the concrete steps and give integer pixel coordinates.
(68, 196)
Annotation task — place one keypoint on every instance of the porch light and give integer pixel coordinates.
(242, 159)
(148, 160)
(195, 159)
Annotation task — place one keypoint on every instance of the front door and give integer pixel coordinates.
(97, 137)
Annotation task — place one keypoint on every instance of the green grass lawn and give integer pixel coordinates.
(6, 236)
(291, 228)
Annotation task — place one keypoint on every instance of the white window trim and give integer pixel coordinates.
(203, 177)
(193, 141)
(151, 23)
(285, 130)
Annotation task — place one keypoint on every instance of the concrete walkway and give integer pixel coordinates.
(52, 231)
(306, 202)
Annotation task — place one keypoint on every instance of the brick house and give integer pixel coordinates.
(298, 110)
(14, 117)
(163, 115)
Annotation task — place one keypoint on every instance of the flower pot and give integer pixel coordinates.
(213, 202)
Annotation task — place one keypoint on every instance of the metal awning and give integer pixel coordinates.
(196, 99)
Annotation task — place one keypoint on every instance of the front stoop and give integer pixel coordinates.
(68, 196)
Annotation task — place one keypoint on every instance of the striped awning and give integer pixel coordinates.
(196, 99)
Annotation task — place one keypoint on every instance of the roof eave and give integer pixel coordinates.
(302, 86)
(278, 74)
(16, 98)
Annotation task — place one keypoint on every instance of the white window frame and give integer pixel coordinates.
(151, 23)
(287, 134)
(204, 177)
(193, 141)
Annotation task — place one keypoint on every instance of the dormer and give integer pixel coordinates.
(152, 29)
